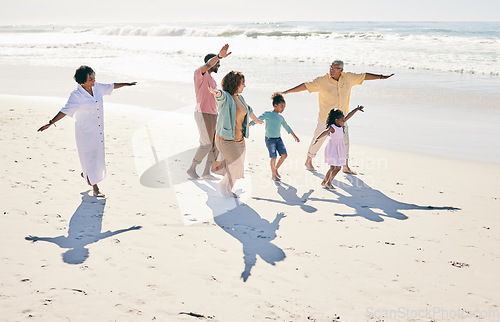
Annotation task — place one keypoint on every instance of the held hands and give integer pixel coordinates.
(215, 91)
(255, 119)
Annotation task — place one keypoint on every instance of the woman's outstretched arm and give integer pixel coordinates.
(119, 85)
(56, 118)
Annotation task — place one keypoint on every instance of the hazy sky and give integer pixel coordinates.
(114, 11)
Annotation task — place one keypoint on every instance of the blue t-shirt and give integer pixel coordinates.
(274, 121)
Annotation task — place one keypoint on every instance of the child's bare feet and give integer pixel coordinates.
(348, 170)
(277, 174)
(275, 178)
(327, 185)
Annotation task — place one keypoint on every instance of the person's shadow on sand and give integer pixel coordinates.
(290, 197)
(365, 200)
(84, 229)
(252, 231)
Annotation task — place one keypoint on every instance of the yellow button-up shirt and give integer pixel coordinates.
(334, 94)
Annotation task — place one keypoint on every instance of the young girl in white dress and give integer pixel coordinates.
(335, 154)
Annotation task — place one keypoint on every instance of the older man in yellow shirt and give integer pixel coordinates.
(334, 90)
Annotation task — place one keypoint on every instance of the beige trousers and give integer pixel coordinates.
(206, 127)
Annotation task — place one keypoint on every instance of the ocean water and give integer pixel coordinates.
(444, 98)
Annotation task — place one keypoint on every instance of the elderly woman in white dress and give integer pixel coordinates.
(85, 104)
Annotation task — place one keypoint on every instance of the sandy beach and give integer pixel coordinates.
(411, 237)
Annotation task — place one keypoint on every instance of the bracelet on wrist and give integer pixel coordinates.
(219, 57)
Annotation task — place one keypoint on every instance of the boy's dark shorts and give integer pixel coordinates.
(273, 145)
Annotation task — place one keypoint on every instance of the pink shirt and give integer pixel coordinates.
(205, 101)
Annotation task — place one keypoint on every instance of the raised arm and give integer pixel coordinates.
(359, 108)
(120, 85)
(370, 76)
(56, 118)
(212, 61)
(298, 88)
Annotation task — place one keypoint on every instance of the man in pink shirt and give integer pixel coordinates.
(205, 113)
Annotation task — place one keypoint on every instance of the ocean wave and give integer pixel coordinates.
(154, 31)
(220, 31)
(274, 30)
(232, 32)
(176, 31)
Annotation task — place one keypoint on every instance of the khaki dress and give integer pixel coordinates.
(233, 151)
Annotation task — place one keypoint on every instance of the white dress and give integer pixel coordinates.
(89, 128)
(335, 149)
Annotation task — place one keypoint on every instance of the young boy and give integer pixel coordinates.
(274, 120)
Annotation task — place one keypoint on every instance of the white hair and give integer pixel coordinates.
(339, 62)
